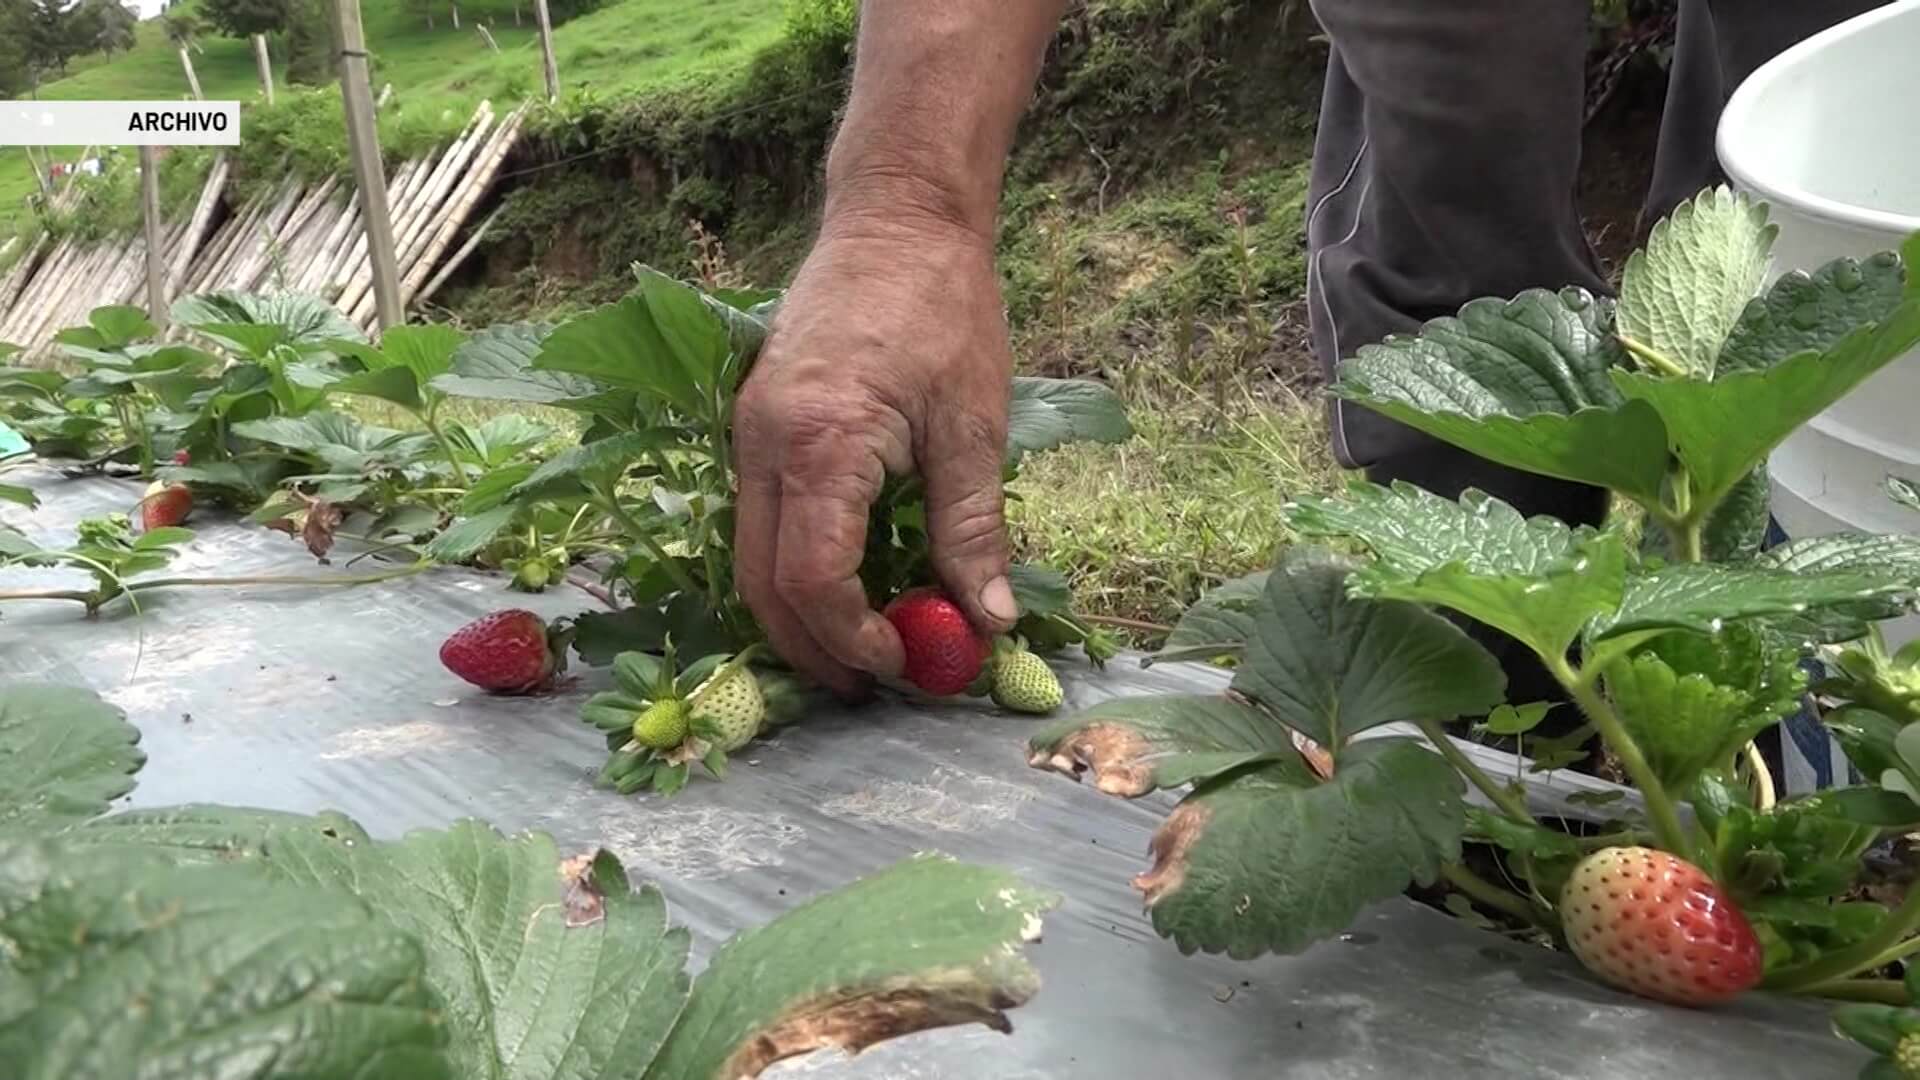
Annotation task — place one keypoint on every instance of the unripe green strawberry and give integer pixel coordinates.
(662, 726)
(1906, 1057)
(1655, 924)
(734, 706)
(1023, 682)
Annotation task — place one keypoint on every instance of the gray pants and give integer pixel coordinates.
(1448, 150)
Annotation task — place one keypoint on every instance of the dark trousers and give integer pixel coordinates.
(1444, 170)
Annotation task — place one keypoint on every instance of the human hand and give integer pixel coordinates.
(889, 355)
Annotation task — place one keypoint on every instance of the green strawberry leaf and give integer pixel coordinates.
(118, 968)
(1535, 579)
(470, 535)
(1039, 590)
(1219, 624)
(1527, 839)
(596, 463)
(22, 496)
(1873, 806)
(1733, 533)
(500, 440)
(1724, 429)
(1516, 720)
(1683, 292)
(1330, 665)
(1886, 556)
(496, 487)
(640, 674)
(199, 833)
(422, 353)
(64, 756)
(1522, 382)
(662, 340)
(1683, 723)
(1706, 597)
(497, 364)
(1048, 413)
(118, 325)
(547, 970)
(1270, 859)
(394, 384)
(256, 325)
(1804, 312)
(846, 970)
(339, 440)
(1133, 746)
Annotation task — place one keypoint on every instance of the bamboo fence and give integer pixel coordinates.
(299, 236)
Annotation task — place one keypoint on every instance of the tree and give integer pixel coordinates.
(106, 25)
(244, 18)
(182, 28)
(16, 59)
(309, 43)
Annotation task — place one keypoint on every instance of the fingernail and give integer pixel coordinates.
(996, 599)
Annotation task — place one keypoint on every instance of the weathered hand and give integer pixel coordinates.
(889, 356)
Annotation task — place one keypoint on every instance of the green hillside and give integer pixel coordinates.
(626, 45)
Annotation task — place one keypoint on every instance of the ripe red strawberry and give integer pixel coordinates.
(165, 507)
(944, 652)
(507, 652)
(1657, 925)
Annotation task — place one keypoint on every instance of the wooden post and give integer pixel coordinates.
(150, 210)
(193, 80)
(546, 49)
(486, 35)
(363, 142)
(265, 65)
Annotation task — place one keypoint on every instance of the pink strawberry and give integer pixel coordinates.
(944, 652)
(1657, 925)
(507, 652)
(165, 507)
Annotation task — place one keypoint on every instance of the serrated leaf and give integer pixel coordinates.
(1271, 860)
(64, 756)
(501, 439)
(1802, 311)
(1683, 724)
(466, 537)
(120, 324)
(1890, 557)
(846, 971)
(496, 487)
(1132, 746)
(1219, 623)
(1536, 579)
(535, 988)
(395, 384)
(1531, 840)
(497, 364)
(1522, 382)
(1039, 590)
(661, 340)
(1724, 429)
(1048, 413)
(1873, 806)
(1705, 597)
(162, 538)
(1517, 720)
(594, 463)
(1683, 292)
(131, 971)
(1330, 666)
(257, 324)
(204, 833)
(344, 443)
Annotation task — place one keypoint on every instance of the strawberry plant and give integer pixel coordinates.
(1676, 637)
(262, 945)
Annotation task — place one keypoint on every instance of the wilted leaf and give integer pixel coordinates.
(1049, 413)
(1330, 666)
(1271, 859)
(846, 970)
(64, 756)
(1132, 746)
(1682, 293)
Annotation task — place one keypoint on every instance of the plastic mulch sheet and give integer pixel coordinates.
(305, 699)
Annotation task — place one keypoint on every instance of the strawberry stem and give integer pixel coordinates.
(1477, 888)
(1878, 991)
(1892, 941)
(1504, 798)
(95, 600)
(1660, 806)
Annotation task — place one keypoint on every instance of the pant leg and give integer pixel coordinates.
(1721, 43)
(1444, 170)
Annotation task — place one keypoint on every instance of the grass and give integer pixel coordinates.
(438, 75)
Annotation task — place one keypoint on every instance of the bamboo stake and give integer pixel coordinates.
(265, 65)
(477, 185)
(197, 223)
(361, 286)
(445, 185)
(458, 257)
(549, 67)
(364, 141)
(33, 300)
(320, 246)
(150, 218)
(221, 247)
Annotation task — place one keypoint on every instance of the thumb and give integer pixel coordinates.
(966, 523)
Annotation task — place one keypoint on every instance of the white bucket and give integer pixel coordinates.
(1827, 134)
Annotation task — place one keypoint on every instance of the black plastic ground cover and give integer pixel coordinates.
(312, 699)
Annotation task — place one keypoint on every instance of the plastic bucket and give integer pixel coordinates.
(1826, 134)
